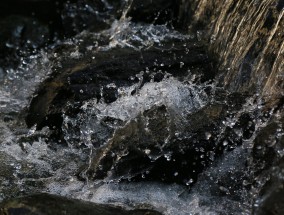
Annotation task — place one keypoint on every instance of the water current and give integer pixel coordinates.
(32, 161)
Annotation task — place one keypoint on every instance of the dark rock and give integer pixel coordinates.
(19, 37)
(270, 199)
(264, 153)
(89, 15)
(100, 78)
(47, 12)
(45, 204)
(268, 165)
(99, 15)
(110, 93)
(80, 80)
(158, 12)
(273, 204)
(138, 151)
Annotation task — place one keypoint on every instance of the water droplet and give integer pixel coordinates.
(168, 156)
(189, 182)
(245, 182)
(207, 135)
(32, 130)
(9, 45)
(238, 132)
(147, 151)
(224, 189)
(225, 142)
(18, 166)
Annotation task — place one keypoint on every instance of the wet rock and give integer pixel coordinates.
(268, 166)
(6, 169)
(158, 12)
(273, 204)
(140, 148)
(8, 165)
(263, 152)
(99, 15)
(20, 36)
(45, 204)
(270, 196)
(100, 75)
(47, 12)
(134, 148)
(102, 81)
(89, 15)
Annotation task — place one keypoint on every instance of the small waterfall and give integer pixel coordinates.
(247, 37)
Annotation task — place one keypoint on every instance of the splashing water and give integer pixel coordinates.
(32, 162)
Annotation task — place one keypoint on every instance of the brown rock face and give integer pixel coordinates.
(248, 38)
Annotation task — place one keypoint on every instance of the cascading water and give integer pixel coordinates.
(133, 115)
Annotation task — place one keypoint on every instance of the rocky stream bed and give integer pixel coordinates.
(141, 107)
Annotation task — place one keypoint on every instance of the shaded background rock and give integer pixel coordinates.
(157, 12)
(46, 11)
(20, 37)
(42, 204)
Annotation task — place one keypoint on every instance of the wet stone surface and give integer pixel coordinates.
(110, 102)
(101, 75)
(45, 204)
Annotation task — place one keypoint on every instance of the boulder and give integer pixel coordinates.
(137, 145)
(46, 204)
(101, 75)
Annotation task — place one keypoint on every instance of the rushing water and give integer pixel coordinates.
(33, 162)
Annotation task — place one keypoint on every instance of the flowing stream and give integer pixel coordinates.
(231, 172)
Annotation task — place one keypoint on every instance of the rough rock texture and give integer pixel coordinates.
(45, 204)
